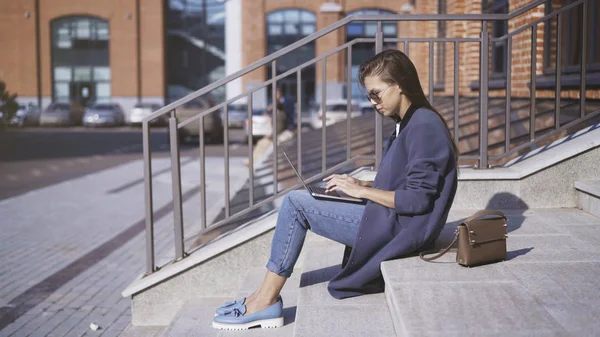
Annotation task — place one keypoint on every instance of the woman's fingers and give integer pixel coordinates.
(330, 177)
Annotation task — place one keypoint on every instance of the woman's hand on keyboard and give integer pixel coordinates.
(344, 183)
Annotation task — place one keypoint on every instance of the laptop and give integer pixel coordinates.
(321, 193)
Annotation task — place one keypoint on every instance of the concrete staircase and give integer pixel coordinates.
(319, 314)
(546, 287)
(588, 196)
(526, 294)
(306, 303)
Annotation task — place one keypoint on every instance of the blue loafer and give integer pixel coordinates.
(270, 317)
(229, 306)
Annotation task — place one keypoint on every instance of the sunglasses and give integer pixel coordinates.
(376, 97)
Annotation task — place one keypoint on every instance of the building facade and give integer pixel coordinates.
(160, 50)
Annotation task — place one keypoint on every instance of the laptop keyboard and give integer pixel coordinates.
(320, 190)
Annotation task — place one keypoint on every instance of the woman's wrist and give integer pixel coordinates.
(365, 183)
(365, 192)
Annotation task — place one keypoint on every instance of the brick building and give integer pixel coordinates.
(160, 50)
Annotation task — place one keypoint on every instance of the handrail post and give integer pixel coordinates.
(507, 121)
(226, 148)
(532, 100)
(274, 117)
(431, 79)
(324, 117)
(456, 91)
(583, 59)
(299, 119)
(558, 71)
(483, 96)
(176, 185)
(349, 102)
(378, 119)
(203, 223)
(148, 198)
(250, 153)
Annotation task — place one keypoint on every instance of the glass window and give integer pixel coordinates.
(291, 16)
(308, 29)
(101, 73)
(82, 74)
(83, 29)
(275, 30)
(371, 29)
(285, 27)
(275, 17)
(291, 28)
(102, 30)
(354, 29)
(61, 89)
(75, 70)
(103, 90)
(307, 17)
(62, 73)
(499, 28)
(189, 25)
(363, 51)
(64, 43)
(390, 30)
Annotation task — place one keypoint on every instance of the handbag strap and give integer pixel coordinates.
(441, 252)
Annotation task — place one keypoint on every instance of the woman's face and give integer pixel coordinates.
(385, 98)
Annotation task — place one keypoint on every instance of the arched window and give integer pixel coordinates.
(363, 51)
(285, 27)
(80, 60)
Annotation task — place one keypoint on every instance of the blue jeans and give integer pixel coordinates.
(300, 212)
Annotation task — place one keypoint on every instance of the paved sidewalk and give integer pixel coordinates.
(68, 250)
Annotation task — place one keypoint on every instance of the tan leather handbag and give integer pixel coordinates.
(481, 240)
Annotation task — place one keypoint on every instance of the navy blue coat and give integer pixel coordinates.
(420, 167)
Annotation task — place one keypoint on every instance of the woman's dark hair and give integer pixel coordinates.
(394, 67)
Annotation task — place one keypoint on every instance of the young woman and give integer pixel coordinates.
(406, 209)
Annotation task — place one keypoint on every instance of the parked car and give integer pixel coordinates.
(336, 111)
(213, 125)
(143, 110)
(237, 115)
(27, 115)
(104, 114)
(59, 113)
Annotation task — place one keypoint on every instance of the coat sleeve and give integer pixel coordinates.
(429, 152)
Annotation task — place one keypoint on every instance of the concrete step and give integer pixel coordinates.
(588, 196)
(319, 314)
(195, 318)
(542, 289)
(142, 331)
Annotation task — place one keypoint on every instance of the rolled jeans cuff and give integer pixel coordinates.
(274, 268)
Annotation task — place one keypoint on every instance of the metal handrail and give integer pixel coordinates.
(274, 79)
(482, 158)
(538, 21)
(313, 37)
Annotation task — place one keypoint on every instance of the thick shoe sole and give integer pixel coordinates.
(264, 323)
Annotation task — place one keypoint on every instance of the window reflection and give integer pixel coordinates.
(195, 46)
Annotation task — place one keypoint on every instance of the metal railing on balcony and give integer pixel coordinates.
(482, 158)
